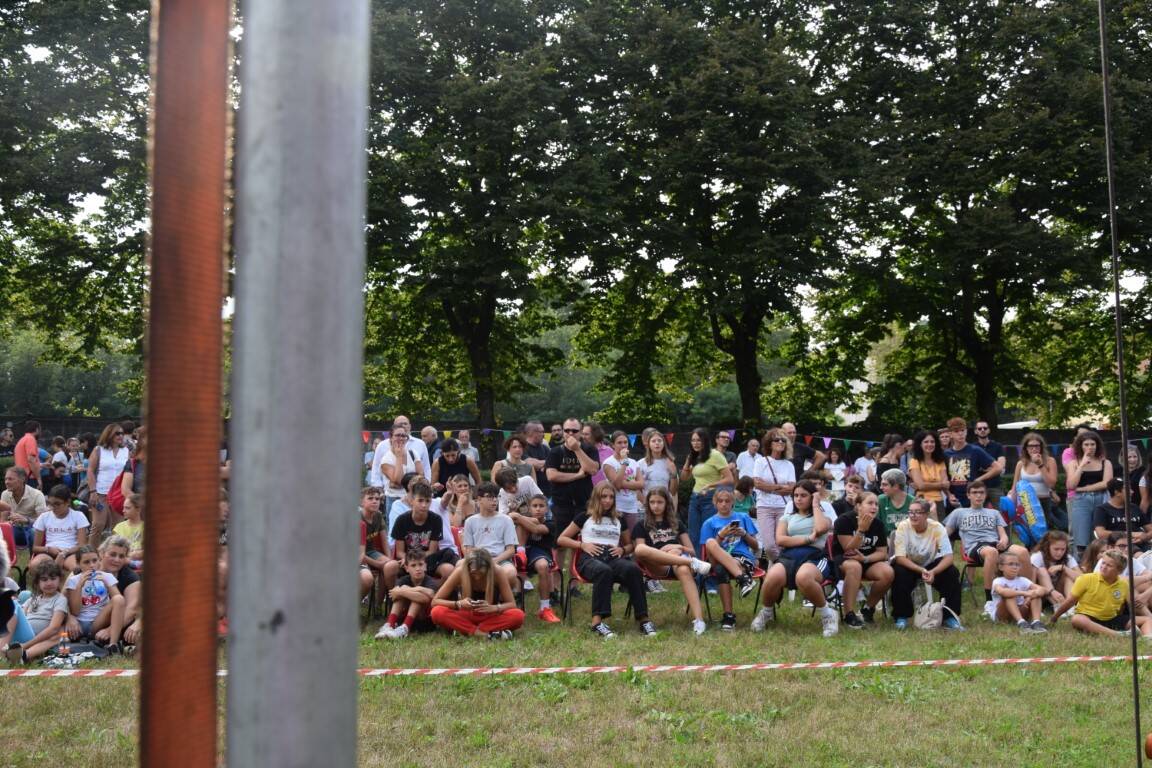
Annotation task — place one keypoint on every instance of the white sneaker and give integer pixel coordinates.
(990, 610)
(831, 622)
(700, 568)
(766, 614)
(528, 586)
(386, 632)
(699, 627)
(655, 587)
(401, 631)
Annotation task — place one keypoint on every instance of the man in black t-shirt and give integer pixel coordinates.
(570, 467)
(802, 453)
(996, 451)
(1109, 517)
(860, 551)
(536, 453)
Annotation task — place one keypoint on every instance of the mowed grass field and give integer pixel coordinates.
(1038, 715)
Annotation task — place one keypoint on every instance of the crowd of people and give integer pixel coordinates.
(780, 515)
(443, 547)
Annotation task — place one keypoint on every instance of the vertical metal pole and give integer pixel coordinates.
(190, 60)
(1114, 238)
(300, 203)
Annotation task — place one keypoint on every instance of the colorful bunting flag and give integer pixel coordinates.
(632, 440)
(731, 434)
(827, 443)
(668, 437)
(447, 434)
(366, 436)
(547, 438)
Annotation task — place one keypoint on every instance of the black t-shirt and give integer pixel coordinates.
(451, 469)
(993, 448)
(428, 583)
(660, 536)
(542, 540)
(416, 535)
(846, 526)
(1112, 518)
(126, 577)
(579, 491)
(801, 454)
(540, 451)
(375, 525)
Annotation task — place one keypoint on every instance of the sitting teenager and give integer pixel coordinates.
(476, 599)
(46, 612)
(60, 532)
(411, 598)
(538, 538)
(419, 529)
(1015, 598)
(456, 505)
(730, 539)
(114, 554)
(491, 531)
(923, 554)
(514, 491)
(131, 528)
(1102, 600)
(803, 564)
(982, 534)
(1109, 517)
(663, 549)
(860, 553)
(1053, 559)
(94, 601)
(604, 546)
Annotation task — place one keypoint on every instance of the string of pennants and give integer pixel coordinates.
(827, 442)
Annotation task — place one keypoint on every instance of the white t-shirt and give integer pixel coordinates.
(389, 459)
(861, 466)
(449, 540)
(61, 532)
(626, 500)
(777, 472)
(526, 488)
(1037, 559)
(1137, 568)
(746, 464)
(94, 592)
(1019, 582)
(417, 446)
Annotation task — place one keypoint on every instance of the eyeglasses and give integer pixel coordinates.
(1033, 445)
(118, 434)
(570, 431)
(399, 437)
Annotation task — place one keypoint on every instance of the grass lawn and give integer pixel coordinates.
(1065, 715)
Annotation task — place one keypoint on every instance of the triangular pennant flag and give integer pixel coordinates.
(366, 436)
(846, 442)
(668, 437)
(486, 431)
(632, 440)
(868, 444)
(827, 443)
(385, 434)
(807, 439)
(447, 434)
(547, 438)
(1145, 441)
(507, 433)
(1055, 448)
(731, 434)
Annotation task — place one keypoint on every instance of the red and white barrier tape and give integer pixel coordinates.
(521, 671)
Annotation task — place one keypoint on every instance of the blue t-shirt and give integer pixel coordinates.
(964, 466)
(734, 545)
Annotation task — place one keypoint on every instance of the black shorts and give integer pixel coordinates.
(532, 554)
(720, 573)
(792, 566)
(1118, 622)
(974, 557)
(442, 557)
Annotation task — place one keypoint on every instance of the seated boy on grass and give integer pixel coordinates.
(1101, 600)
(730, 541)
(411, 598)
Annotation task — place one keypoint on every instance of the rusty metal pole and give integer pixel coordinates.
(297, 393)
(190, 61)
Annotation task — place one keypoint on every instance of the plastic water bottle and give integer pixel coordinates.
(62, 647)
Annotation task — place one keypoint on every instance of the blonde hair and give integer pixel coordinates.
(595, 511)
(478, 560)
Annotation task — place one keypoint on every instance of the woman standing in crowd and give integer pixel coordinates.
(104, 466)
(451, 461)
(1088, 474)
(929, 470)
(514, 448)
(593, 434)
(659, 466)
(838, 470)
(774, 480)
(707, 468)
(1037, 467)
(1133, 464)
(625, 475)
(890, 452)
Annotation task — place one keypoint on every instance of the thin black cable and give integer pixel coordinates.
(1109, 159)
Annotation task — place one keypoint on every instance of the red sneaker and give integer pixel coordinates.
(547, 615)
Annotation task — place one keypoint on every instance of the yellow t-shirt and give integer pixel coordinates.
(707, 473)
(134, 534)
(930, 473)
(1099, 599)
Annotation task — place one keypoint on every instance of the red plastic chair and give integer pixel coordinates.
(10, 542)
(758, 574)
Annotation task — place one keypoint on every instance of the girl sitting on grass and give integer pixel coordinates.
(94, 600)
(663, 549)
(476, 600)
(1053, 557)
(46, 610)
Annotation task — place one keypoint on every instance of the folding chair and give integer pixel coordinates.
(966, 578)
(758, 575)
(521, 560)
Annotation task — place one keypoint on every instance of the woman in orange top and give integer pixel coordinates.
(928, 469)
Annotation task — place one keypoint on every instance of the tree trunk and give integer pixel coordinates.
(744, 347)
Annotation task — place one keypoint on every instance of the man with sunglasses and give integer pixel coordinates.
(996, 451)
(570, 467)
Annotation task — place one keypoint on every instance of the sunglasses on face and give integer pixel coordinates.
(568, 431)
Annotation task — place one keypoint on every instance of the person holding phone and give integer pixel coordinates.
(476, 600)
(730, 541)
